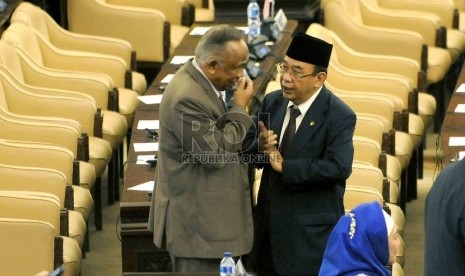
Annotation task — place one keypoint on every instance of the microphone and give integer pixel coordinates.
(152, 162)
(151, 134)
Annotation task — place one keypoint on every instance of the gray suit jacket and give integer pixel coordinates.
(201, 201)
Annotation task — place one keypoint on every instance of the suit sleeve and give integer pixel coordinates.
(209, 140)
(335, 163)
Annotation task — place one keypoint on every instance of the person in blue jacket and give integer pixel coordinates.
(363, 243)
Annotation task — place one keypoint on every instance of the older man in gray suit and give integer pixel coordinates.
(202, 203)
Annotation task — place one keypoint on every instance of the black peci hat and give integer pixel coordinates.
(310, 49)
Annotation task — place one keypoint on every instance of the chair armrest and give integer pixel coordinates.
(69, 198)
(443, 9)
(96, 86)
(112, 66)
(188, 15)
(64, 223)
(120, 22)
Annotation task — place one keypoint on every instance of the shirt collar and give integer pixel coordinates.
(303, 107)
(196, 65)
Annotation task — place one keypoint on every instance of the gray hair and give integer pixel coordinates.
(212, 42)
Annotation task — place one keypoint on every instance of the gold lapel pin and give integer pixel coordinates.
(312, 123)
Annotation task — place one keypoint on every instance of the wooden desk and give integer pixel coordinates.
(453, 124)
(138, 251)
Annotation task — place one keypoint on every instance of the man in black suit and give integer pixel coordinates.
(309, 159)
(445, 223)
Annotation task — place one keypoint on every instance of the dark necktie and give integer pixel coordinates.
(289, 133)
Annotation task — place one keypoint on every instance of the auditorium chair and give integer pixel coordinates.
(368, 175)
(46, 55)
(204, 10)
(346, 20)
(355, 195)
(369, 151)
(372, 128)
(29, 247)
(45, 207)
(19, 153)
(24, 100)
(39, 19)
(36, 179)
(396, 66)
(53, 131)
(47, 131)
(114, 125)
(153, 44)
(382, 13)
(29, 101)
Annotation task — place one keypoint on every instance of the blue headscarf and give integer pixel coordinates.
(358, 244)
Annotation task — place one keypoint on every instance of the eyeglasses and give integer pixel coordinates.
(283, 69)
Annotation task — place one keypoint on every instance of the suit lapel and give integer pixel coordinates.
(311, 122)
(279, 108)
(208, 89)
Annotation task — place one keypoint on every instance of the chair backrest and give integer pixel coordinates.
(366, 150)
(377, 106)
(344, 54)
(17, 98)
(9, 59)
(356, 195)
(20, 128)
(204, 10)
(33, 16)
(31, 205)
(23, 37)
(28, 241)
(97, 17)
(367, 176)
(36, 179)
(343, 17)
(31, 154)
(370, 176)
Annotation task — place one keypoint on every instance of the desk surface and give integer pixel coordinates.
(454, 123)
(138, 251)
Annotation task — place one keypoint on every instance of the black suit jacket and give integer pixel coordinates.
(301, 205)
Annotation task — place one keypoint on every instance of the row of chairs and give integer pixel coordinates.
(66, 103)
(69, 100)
(169, 22)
